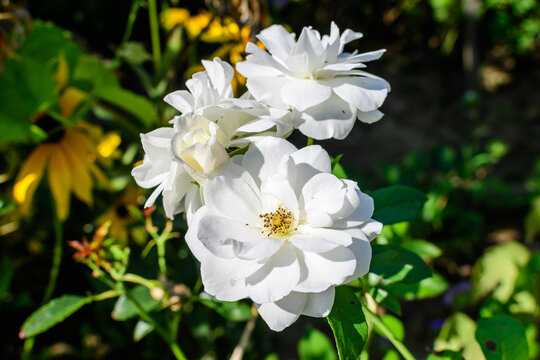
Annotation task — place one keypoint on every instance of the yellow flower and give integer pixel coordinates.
(120, 216)
(68, 155)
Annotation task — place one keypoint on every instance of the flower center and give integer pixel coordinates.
(277, 223)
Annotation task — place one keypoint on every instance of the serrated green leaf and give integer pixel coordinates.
(498, 269)
(348, 323)
(396, 264)
(5, 277)
(52, 313)
(502, 338)
(397, 203)
(129, 102)
(314, 345)
(233, 311)
(142, 328)
(124, 308)
(457, 334)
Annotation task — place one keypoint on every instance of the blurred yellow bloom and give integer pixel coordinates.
(120, 216)
(68, 155)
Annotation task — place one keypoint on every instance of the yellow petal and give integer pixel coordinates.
(29, 176)
(70, 100)
(109, 144)
(80, 173)
(174, 16)
(60, 181)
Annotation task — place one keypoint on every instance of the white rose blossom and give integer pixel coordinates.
(314, 77)
(195, 147)
(279, 228)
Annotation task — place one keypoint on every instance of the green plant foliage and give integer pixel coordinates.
(429, 287)
(502, 337)
(532, 221)
(52, 313)
(498, 269)
(124, 309)
(445, 355)
(314, 345)
(423, 248)
(133, 104)
(142, 328)
(5, 277)
(396, 264)
(348, 323)
(394, 324)
(397, 203)
(457, 334)
(233, 311)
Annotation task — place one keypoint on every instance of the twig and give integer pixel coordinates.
(240, 348)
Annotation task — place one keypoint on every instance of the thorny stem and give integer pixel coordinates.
(57, 254)
(154, 35)
(240, 348)
(400, 347)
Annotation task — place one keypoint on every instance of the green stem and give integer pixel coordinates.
(131, 21)
(154, 35)
(400, 347)
(309, 141)
(27, 348)
(160, 244)
(57, 254)
(175, 348)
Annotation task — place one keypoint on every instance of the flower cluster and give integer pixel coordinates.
(266, 220)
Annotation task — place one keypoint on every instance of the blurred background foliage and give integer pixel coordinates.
(79, 80)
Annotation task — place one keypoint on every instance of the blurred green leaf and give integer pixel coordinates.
(395, 326)
(134, 53)
(124, 308)
(348, 323)
(532, 221)
(502, 337)
(129, 102)
(314, 345)
(5, 277)
(26, 86)
(430, 287)
(142, 328)
(233, 311)
(391, 355)
(457, 334)
(423, 248)
(90, 74)
(446, 355)
(337, 169)
(396, 264)
(397, 203)
(498, 269)
(52, 313)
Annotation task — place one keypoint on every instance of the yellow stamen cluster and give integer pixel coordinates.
(277, 223)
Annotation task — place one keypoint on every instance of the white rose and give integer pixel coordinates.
(278, 228)
(316, 78)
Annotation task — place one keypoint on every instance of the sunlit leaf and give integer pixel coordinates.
(423, 248)
(502, 338)
(457, 334)
(124, 309)
(52, 313)
(348, 323)
(314, 345)
(142, 328)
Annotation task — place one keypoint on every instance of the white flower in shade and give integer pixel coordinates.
(279, 228)
(316, 78)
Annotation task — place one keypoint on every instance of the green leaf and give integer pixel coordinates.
(397, 203)
(457, 334)
(131, 103)
(498, 269)
(348, 323)
(124, 309)
(314, 345)
(5, 277)
(532, 221)
(26, 86)
(233, 311)
(445, 355)
(502, 338)
(91, 74)
(387, 299)
(337, 169)
(52, 313)
(142, 328)
(423, 248)
(134, 53)
(396, 264)
(395, 326)
(430, 287)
